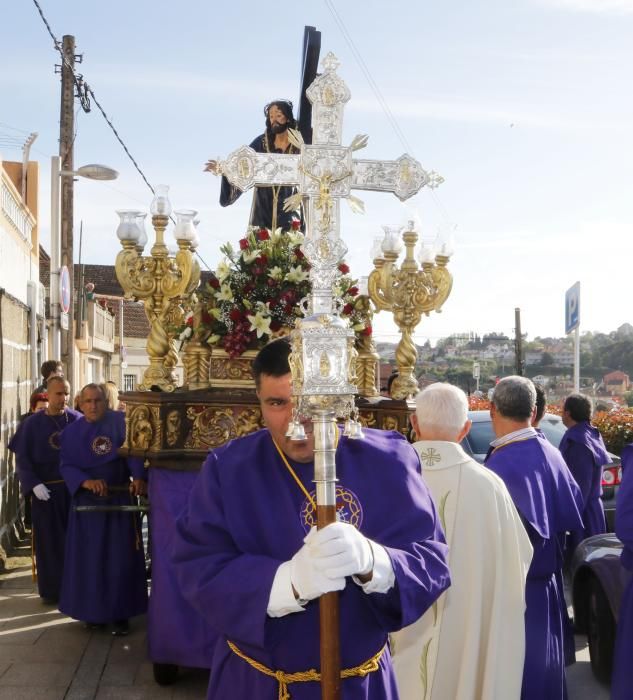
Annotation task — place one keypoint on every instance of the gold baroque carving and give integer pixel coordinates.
(141, 431)
(172, 427)
(213, 427)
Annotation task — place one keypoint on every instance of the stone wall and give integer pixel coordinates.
(16, 385)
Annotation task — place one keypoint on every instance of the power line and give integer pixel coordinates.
(380, 97)
(85, 92)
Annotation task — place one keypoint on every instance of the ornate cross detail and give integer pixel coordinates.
(324, 173)
(430, 457)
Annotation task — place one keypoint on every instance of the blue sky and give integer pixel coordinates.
(524, 107)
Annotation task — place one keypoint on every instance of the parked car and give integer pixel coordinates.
(598, 580)
(478, 440)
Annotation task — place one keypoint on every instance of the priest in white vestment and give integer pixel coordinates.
(470, 644)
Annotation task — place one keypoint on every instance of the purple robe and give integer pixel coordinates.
(584, 451)
(246, 515)
(176, 633)
(104, 572)
(622, 677)
(36, 447)
(549, 502)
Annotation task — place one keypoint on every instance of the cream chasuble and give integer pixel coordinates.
(471, 644)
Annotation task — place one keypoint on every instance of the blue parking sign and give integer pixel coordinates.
(572, 308)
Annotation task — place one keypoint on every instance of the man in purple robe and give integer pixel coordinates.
(104, 572)
(36, 447)
(584, 451)
(622, 677)
(549, 502)
(247, 555)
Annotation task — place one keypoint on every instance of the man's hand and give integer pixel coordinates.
(138, 487)
(41, 492)
(340, 550)
(212, 166)
(97, 486)
(308, 582)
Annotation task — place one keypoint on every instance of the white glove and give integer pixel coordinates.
(341, 550)
(308, 581)
(42, 492)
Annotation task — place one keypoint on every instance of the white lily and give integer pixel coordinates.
(249, 257)
(187, 332)
(296, 275)
(295, 238)
(223, 270)
(276, 273)
(260, 323)
(225, 293)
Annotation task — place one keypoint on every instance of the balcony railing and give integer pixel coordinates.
(15, 211)
(97, 332)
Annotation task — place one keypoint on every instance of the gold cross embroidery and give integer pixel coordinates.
(430, 457)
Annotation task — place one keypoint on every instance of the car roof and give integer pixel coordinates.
(484, 415)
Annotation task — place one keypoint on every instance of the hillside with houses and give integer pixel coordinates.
(606, 362)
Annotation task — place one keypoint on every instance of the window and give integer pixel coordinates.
(129, 381)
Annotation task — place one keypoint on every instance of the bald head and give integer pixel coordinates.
(441, 413)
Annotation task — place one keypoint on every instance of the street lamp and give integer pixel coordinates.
(91, 172)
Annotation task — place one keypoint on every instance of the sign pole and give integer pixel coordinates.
(577, 359)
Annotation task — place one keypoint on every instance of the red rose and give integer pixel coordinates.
(189, 321)
(235, 315)
(352, 291)
(243, 244)
(298, 253)
(343, 268)
(275, 325)
(214, 282)
(288, 309)
(271, 282)
(347, 309)
(205, 317)
(295, 224)
(263, 234)
(367, 330)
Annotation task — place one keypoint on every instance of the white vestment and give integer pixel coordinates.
(471, 644)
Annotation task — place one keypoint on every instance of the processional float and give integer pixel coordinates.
(323, 355)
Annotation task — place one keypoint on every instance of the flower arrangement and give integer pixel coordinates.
(255, 291)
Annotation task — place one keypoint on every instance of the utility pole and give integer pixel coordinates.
(518, 343)
(66, 147)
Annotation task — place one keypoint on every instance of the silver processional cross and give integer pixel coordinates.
(323, 355)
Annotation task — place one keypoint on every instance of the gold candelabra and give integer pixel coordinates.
(159, 280)
(408, 292)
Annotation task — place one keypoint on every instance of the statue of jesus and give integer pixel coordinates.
(267, 210)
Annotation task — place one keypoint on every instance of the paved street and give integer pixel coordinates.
(44, 655)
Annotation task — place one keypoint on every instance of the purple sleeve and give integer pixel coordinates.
(581, 465)
(228, 587)
(20, 444)
(416, 546)
(624, 500)
(136, 465)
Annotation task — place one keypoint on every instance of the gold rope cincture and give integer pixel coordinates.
(285, 679)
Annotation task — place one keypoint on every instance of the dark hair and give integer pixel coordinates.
(579, 407)
(49, 367)
(390, 380)
(272, 360)
(285, 107)
(35, 397)
(515, 397)
(541, 400)
(92, 385)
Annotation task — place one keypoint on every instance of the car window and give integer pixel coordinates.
(553, 429)
(480, 436)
